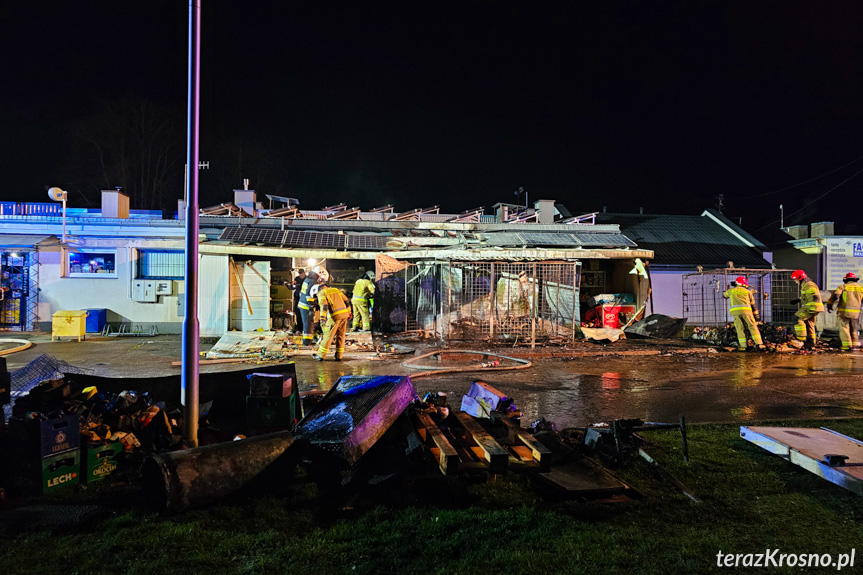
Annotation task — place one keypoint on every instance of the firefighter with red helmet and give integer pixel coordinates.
(810, 307)
(849, 297)
(742, 308)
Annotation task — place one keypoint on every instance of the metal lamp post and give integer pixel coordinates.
(191, 328)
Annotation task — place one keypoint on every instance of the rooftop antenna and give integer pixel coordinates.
(59, 195)
(519, 192)
(781, 217)
(720, 202)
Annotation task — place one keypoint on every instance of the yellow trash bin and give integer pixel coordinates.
(69, 323)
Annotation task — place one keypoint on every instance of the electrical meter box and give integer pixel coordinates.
(144, 291)
(164, 287)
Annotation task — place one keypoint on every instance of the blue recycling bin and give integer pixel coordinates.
(96, 320)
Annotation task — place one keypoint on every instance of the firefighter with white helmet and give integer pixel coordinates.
(810, 306)
(742, 309)
(306, 305)
(849, 297)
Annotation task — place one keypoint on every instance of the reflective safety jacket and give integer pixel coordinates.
(850, 297)
(306, 300)
(333, 302)
(363, 290)
(810, 298)
(740, 300)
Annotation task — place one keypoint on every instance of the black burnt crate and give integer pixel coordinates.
(30, 475)
(272, 384)
(271, 412)
(44, 438)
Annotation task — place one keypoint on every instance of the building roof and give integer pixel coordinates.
(428, 240)
(709, 240)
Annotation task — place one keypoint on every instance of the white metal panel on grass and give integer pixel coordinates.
(809, 448)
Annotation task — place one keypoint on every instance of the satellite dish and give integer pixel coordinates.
(56, 194)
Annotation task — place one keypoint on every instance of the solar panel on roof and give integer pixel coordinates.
(504, 239)
(600, 239)
(304, 239)
(367, 242)
(240, 235)
(301, 239)
(550, 239)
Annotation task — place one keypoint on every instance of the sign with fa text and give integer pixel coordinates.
(843, 255)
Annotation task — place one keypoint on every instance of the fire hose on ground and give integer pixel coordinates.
(22, 345)
(431, 370)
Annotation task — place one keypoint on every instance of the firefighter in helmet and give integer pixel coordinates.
(810, 307)
(306, 306)
(742, 308)
(335, 314)
(849, 297)
(362, 299)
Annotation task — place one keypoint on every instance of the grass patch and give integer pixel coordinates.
(752, 501)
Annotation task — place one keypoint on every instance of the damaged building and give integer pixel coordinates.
(518, 274)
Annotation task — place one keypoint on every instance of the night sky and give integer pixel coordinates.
(653, 105)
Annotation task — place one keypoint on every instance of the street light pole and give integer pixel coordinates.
(191, 327)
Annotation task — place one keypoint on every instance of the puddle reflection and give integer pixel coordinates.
(718, 387)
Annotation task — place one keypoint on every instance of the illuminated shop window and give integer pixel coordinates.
(92, 264)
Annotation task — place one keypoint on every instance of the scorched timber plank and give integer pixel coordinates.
(582, 478)
(449, 459)
(496, 456)
(541, 454)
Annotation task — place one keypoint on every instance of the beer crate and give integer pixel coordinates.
(100, 461)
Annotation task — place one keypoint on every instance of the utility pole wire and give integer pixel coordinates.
(800, 183)
(843, 182)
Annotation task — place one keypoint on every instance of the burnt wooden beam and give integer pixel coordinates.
(496, 456)
(541, 454)
(448, 458)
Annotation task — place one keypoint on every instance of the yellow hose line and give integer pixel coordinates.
(24, 345)
(524, 364)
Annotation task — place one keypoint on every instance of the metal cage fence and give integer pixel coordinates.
(512, 302)
(773, 290)
(408, 299)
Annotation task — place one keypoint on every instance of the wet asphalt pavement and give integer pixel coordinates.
(704, 386)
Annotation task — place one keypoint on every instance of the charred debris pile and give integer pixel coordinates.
(364, 433)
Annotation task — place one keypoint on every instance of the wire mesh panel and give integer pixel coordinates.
(773, 290)
(468, 300)
(390, 310)
(422, 297)
(514, 302)
(408, 299)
